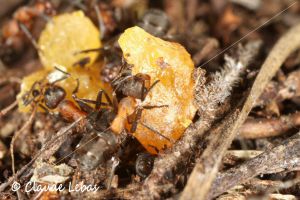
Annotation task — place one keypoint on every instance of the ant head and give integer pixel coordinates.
(53, 96)
(156, 22)
(144, 164)
(33, 94)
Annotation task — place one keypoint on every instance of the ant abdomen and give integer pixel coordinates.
(95, 149)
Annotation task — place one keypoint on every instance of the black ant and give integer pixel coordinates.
(102, 142)
(155, 22)
(53, 97)
(135, 88)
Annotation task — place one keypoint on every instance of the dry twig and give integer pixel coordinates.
(8, 108)
(261, 128)
(284, 157)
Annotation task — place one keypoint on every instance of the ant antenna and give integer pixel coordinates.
(62, 71)
(88, 50)
(58, 79)
(156, 132)
(29, 36)
(76, 88)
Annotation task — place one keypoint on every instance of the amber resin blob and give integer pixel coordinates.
(172, 65)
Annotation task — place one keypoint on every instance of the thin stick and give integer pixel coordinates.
(17, 134)
(29, 36)
(4, 111)
(101, 25)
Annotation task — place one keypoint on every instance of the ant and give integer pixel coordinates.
(144, 164)
(50, 96)
(155, 22)
(13, 31)
(135, 88)
(97, 119)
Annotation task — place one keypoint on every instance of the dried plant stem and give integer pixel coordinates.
(205, 172)
(261, 128)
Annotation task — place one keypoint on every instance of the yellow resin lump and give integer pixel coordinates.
(172, 65)
(64, 36)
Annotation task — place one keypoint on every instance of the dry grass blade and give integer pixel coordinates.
(205, 172)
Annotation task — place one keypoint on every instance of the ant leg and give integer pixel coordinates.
(44, 108)
(99, 100)
(110, 102)
(33, 91)
(75, 91)
(142, 92)
(83, 105)
(137, 116)
(155, 131)
(82, 62)
(143, 95)
(4, 111)
(151, 107)
(115, 101)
